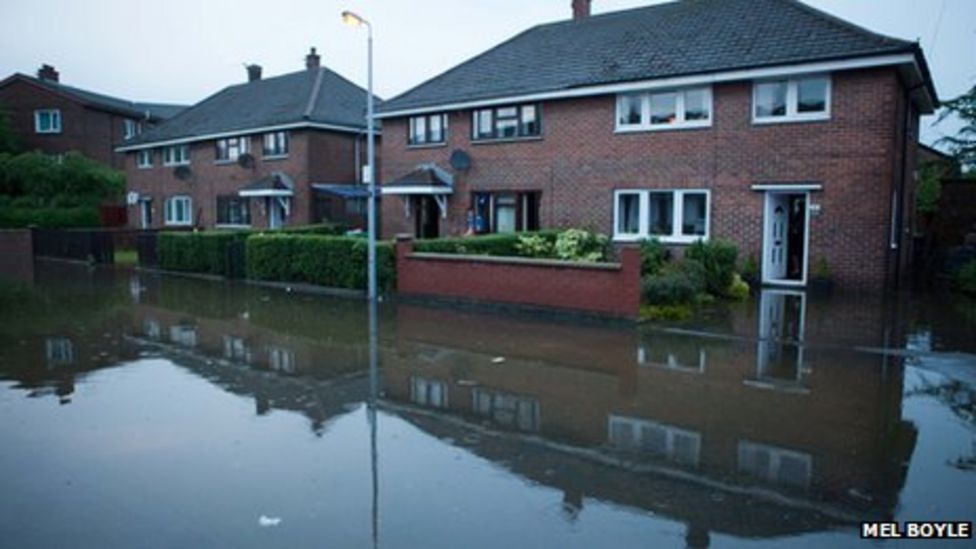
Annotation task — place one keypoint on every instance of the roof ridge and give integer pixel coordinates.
(313, 97)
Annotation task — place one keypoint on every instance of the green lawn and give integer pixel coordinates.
(126, 257)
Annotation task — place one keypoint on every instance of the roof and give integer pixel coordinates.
(317, 96)
(342, 190)
(276, 184)
(683, 38)
(425, 175)
(135, 109)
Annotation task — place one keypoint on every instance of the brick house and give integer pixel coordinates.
(56, 118)
(765, 122)
(270, 152)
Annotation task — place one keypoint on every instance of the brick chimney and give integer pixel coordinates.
(253, 72)
(312, 60)
(47, 72)
(581, 9)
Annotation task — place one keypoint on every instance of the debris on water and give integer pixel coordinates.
(268, 522)
(498, 360)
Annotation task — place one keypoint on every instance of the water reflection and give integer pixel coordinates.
(760, 431)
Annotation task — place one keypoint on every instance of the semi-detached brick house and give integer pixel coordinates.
(271, 152)
(783, 129)
(56, 118)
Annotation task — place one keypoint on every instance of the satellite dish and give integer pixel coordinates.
(182, 172)
(460, 160)
(245, 160)
(132, 198)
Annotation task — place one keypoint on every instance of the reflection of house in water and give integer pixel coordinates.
(821, 428)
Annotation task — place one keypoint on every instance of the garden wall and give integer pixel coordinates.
(606, 289)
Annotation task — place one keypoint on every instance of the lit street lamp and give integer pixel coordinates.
(352, 19)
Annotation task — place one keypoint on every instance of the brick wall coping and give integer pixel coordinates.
(512, 260)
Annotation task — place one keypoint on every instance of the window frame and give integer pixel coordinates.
(793, 100)
(130, 128)
(241, 144)
(677, 216)
(140, 154)
(169, 220)
(53, 115)
(276, 152)
(170, 158)
(680, 123)
(240, 202)
(427, 141)
(518, 118)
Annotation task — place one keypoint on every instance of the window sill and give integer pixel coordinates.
(427, 145)
(789, 119)
(651, 129)
(272, 157)
(505, 140)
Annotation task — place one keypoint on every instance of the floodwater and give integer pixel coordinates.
(139, 410)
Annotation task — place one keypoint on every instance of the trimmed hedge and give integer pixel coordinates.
(55, 218)
(491, 244)
(332, 261)
(209, 252)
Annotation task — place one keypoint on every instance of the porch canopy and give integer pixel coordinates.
(425, 180)
(342, 191)
(277, 184)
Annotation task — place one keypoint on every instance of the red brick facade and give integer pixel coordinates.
(855, 155)
(92, 132)
(314, 156)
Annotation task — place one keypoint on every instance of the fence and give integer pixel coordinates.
(78, 244)
(17, 253)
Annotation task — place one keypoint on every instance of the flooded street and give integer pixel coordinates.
(141, 410)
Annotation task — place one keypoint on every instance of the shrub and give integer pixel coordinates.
(738, 290)
(750, 268)
(491, 244)
(965, 278)
(653, 255)
(667, 312)
(58, 218)
(332, 261)
(718, 259)
(202, 252)
(332, 229)
(580, 245)
(38, 180)
(534, 245)
(677, 283)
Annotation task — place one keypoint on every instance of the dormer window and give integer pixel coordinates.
(429, 129)
(790, 100)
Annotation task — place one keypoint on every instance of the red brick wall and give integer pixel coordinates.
(91, 132)
(606, 290)
(579, 161)
(313, 157)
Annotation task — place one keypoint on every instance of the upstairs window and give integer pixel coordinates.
(430, 129)
(130, 128)
(506, 123)
(675, 216)
(144, 158)
(231, 148)
(47, 121)
(688, 108)
(275, 144)
(177, 155)
(794, 99)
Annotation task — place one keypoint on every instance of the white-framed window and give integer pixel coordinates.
(59, 351)
(428, 129)
(176, 155)
(512, 122)
(131, 128)
(774, 464)
(236, 349)
(179, 210)
(281, 359)
(183, 334)
(47, 121)
(657, 439)
(275, 144)
(144, 158)
(506, 409)
(791, 99)
(664, 110)
(152, 329)
(675, 216)
(428, 392)
(231, 148)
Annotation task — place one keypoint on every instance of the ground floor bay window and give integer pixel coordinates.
(504, 212)
(672, 216)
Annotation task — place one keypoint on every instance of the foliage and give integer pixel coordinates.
(333, 261)
(965, 279)
(653, 255)
(667, 312)
(580, 245)
(534, 245)
(963, 144)
(679, 282)
(750, 268)
(821, 270)
(331, 229)
(738, 290)
(492, 244)
(58, 218)
(929, 188)
(201, 252)
(36, 180)
(718, 259)
(8, 137)
(126, 257)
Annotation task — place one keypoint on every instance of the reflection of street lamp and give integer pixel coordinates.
(352, 19)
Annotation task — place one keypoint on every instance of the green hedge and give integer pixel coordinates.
(56, 218)
(203, 252)
(492, 244)
(332, 261)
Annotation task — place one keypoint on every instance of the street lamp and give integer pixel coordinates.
(354, 20)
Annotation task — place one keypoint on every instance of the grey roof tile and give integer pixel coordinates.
(135, 109)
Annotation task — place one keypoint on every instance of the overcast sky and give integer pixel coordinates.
(185, 50)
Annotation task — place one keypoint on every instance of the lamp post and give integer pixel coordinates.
(352, 19)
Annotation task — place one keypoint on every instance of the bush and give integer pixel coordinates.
(534, 245)
(57, 218)
(580, 245)
(39, 180)
(738, 290)
(332, 261)
(677, 283)
(965, 279)
(718, 259)
(331, 229)
(202, 252)
(653, 255)
(492, 244)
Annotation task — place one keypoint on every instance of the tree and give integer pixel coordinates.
(963, 144)
(8, 139)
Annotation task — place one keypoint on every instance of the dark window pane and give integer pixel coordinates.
(661, 214)
(663, 108)
(630, 109)
(696, 105)
(771, 99)
(628, 213)
(693, 215)
(436, 124)
(530, 121)
(812, 95)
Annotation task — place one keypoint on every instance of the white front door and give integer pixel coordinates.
(777, 220)
(145, 213)
(786, 238)
(274, 213)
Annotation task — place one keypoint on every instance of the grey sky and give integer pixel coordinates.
(185, 50)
